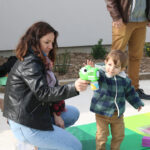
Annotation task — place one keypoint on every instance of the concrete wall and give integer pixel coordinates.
(79, 22)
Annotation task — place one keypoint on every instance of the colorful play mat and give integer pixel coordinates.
(3, 81)
(133, 135)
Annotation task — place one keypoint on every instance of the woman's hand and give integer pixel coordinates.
(59, 121)
(81, 85)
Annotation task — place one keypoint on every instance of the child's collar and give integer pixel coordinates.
(121, 74)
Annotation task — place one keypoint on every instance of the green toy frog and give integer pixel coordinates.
(91, 74)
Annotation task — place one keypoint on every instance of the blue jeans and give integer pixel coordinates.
(58, 139)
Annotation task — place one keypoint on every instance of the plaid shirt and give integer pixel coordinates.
(58, 107)
(112, 94)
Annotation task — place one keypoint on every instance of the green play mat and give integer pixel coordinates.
(133, 137)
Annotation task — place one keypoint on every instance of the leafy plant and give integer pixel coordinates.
(98, 51)
(147, 49)
(62, 63)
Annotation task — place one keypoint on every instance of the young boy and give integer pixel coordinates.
(109, 101)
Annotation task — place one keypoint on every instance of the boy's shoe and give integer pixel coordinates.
(142, 95)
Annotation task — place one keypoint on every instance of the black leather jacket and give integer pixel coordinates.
(28, 96)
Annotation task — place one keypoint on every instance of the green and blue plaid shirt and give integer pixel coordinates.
(112, 95)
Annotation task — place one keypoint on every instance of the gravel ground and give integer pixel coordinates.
(77, 60)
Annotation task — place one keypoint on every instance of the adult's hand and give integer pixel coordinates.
(59, 121)
(81, 85)
(117, 23)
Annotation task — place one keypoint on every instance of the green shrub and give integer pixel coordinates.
(147, 49)
(98, 51)
(62, 63)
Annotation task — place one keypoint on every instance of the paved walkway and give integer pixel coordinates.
(82, 102)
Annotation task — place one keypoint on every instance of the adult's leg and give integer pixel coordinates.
(136, 46)
(46, 140)
(102, 132)
(120, 37)
(70, 116)
(117, 131)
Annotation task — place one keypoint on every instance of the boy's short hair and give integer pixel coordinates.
(116, 55)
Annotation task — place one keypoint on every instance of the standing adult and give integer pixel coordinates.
(130, 18)
(29, 94)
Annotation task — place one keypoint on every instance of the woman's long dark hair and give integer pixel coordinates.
(32, 39)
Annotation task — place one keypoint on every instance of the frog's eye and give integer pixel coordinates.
(83, 70)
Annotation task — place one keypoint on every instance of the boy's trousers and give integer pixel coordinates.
(131, 34)
(117, 131)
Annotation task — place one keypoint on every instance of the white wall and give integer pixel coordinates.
(79, 22)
